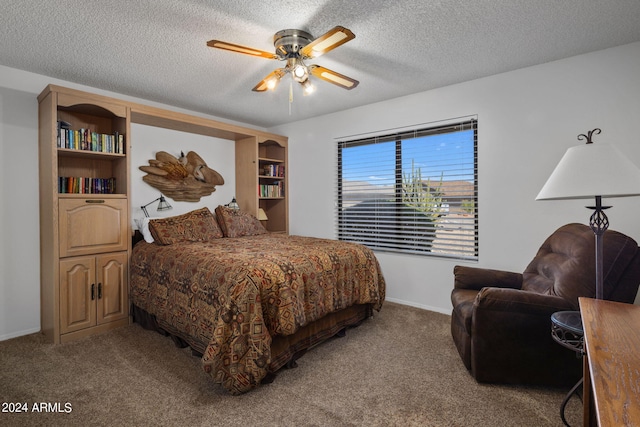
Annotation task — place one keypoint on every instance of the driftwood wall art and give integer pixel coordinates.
(185, 179)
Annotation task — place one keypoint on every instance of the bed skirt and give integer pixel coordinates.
(285, 349)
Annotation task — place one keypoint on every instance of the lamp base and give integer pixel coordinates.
(599, 223)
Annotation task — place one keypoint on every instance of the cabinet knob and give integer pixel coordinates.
(94, 201)
(99, 290)
(93, 291)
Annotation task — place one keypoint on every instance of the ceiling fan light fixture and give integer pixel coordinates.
(272, 83)
(300, 73)
(308, 87)
(295, 46)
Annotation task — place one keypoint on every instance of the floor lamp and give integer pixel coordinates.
(593, 171)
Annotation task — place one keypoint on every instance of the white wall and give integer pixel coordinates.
(527, 120)
(19, 214)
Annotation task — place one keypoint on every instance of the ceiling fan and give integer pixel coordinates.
(295, 47)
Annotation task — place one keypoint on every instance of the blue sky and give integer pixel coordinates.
(450, 154)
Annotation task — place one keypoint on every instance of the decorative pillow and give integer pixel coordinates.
(236, 223)
(196, 226)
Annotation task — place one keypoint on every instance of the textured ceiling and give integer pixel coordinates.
(156, 49)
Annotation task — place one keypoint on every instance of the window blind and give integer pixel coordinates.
(412, 191)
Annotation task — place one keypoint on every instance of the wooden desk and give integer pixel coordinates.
(612, 362)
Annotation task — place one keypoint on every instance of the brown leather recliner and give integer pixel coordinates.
(501, 321)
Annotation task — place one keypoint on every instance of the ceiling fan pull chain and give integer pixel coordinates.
(290, 95)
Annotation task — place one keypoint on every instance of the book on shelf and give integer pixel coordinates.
(273, 170)
(271, 190)
(88, 140)
(83, 185)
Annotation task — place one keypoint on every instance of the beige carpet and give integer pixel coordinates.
(398, 368)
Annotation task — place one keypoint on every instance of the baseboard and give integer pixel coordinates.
(18, 334)
(422, 306)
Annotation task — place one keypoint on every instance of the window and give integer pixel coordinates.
(412, 191)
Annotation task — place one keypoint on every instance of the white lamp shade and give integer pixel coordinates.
(590, 170)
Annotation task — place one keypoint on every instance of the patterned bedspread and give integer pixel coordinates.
(237, 293)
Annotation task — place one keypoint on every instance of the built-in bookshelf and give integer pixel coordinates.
(84, 213)
(272, 179)
(261, 173)
(272, 191)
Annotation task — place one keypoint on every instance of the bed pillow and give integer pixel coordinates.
(143, 228)
(236, 223)
(196, 226)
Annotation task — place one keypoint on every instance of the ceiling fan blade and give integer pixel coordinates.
(218, 44)
(330, 40)
(333, 77)
(271, 81)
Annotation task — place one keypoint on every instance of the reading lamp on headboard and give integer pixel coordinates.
(163, 205)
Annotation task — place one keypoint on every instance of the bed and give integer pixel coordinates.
(249, 301)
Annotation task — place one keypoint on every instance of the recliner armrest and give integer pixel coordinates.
(511, 339)
(477, 278)
(519, 301)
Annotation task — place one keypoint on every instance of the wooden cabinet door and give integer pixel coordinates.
(112, 287)
(77, 294)
(92, 225)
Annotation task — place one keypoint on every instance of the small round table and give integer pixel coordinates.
(566, 330)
